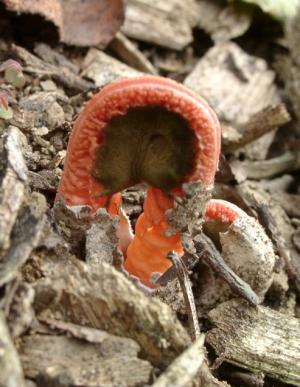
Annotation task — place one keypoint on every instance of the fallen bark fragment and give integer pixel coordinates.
(91, 335)
(18, 309)
(45, 180)
(287, 162)
(11, 371)
(168, 24)
(103, 69)
(258, 339)
(12, 184)
(243, 378)
(25, 237)
(51, 56)
(107, 300)
(238, 77)
(79, 226)
(63, 75)
(184, 369)
(261, 123)
(289, 202)
(223, 22)
(254, 195)
(268, 221)
(130, 54)
(111, 362)
(102, 240)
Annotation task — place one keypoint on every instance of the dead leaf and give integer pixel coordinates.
(82, 23)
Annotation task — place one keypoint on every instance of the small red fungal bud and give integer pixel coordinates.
(148, 129)
(13, 72)
(10, 64)
(223, 211)
(246, 249)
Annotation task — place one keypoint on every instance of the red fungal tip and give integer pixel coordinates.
(223, 211)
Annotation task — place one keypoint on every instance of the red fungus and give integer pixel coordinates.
(223, 211)
(92, 177)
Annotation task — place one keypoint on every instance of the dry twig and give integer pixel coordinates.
(258, 125)
(211, 256)
(259, 339)
(183, 277)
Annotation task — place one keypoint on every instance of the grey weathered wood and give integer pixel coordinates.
(227, 74)
(103, 69)
(287, 162)
(111, 362)
(183, 370)
(26, 235)
(63, 75)
(261, 123)
(130, 54)
(107, 300)
(11, 374)
(166, 23)
(223, 22)
(101, 239)
(12, 184)
(258, 339)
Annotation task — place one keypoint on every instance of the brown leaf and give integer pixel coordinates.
(82, 23)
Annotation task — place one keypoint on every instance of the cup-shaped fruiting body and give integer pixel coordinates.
(144, 129)
(245, 248)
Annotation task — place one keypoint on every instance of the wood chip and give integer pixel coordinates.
(287, 162)
(19, 311)
(168, 24)
(103, 232)
(11, 371)
(258, 339)
(289, 202)
(184, 369)
(223, 22)
(254, 195)
(12, 184)
(45, 180)
(130, 54)
(261, 123)
(25, 237)
(107, 300)
(226, 74)
(63, 75)
(103, 69)
(112, 362)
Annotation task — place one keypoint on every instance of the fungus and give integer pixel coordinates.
(245, 248)
(147, 129)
